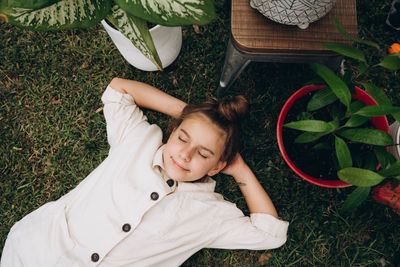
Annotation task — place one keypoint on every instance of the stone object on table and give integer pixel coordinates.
(293, 12)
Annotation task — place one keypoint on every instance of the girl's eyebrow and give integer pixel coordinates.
(202, 147)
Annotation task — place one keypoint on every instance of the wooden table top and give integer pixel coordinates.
(253, 32)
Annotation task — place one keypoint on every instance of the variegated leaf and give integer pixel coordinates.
(136, 30)
(33, 4)
(171, 12)
(65, 14)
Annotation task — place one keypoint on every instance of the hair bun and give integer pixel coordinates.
(233, 108)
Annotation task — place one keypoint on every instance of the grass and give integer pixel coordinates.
(53, 135)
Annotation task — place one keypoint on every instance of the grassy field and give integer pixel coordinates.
(53, 135)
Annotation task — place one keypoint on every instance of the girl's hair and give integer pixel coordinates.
(226, 114)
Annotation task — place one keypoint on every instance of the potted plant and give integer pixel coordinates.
(341, 127)
(129, 17)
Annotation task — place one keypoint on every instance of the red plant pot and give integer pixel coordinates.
(379, 122)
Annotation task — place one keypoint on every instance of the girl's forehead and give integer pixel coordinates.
(203, 133)
(200, 121)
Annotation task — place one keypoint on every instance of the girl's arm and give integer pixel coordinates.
(149, 97)
(256, 198)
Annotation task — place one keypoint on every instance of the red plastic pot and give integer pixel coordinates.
(379, 122)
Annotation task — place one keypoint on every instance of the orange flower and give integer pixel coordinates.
(3, 18)
(394, 48)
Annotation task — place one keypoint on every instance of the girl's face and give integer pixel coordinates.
(194, 149)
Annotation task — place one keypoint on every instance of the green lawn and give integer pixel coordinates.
(53, 135)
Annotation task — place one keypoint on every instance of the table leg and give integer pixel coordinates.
(235, 63)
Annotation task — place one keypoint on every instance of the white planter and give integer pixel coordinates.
(167, 40)
(293, 12)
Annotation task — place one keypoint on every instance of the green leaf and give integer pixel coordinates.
(308, 137)
(171, 12)
(31, 4)
(377, 94)
(390, 157)
(65, 14)
(346, 50)
(321, 146)
(304, 116)
(362, 68)
(381, 156)
(314, 81)
(343, 32)
(390, 62)
(384, 157)
(321, 99)
(316, 126)
(370, 161)
(348, 79)
(356, 106)
(136, 30)
(342, 153)
(393, 170)
(356, 121)
(367, 136)
(396, 116)
(337, 113)
(356, 198)
(360, 177)
(334, 124)
(338, 86)
(380, 110)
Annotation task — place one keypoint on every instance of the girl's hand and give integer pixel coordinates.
(257, 199)
(236, 167)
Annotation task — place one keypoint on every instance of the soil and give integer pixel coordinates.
(322, 163)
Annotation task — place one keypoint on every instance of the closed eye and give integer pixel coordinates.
(203, 156)
(181, 139)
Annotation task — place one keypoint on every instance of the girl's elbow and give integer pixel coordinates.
(271, 243)
(117, 84)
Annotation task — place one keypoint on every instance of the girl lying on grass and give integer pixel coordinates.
(150, 204)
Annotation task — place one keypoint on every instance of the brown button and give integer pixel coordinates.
(170, 182)
(154, 196)
(95, 257)
(126, 227)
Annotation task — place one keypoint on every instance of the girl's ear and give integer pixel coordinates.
(220, 166)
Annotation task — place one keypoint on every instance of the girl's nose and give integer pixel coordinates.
(186, 153)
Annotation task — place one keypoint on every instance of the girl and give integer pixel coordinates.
(149, 204)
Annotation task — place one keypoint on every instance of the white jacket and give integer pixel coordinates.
(127, 212)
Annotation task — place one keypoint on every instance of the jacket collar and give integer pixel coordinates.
(158, 158)
(207, 185)
(158, 164)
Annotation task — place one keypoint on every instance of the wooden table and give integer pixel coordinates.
(256, 38)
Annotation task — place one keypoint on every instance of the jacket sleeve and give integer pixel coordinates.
(258, 232)
(122, 115)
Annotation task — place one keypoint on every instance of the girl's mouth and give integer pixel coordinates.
(178, 165)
